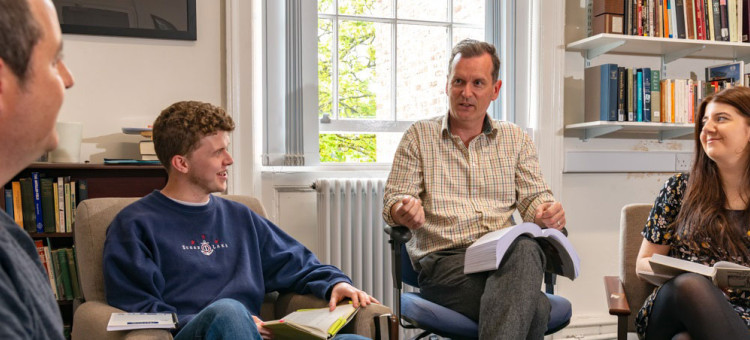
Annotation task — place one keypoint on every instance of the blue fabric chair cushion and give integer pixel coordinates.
(446, 322)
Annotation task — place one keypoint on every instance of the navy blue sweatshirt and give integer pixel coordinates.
(163, 256)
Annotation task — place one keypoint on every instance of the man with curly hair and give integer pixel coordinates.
(33, 79)
(208, 259)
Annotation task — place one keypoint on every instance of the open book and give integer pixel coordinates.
(723, 274)
(318, 323)
(128, 321)
(487, 252)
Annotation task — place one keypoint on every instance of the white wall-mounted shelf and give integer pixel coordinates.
(662, 131)
(669, 49)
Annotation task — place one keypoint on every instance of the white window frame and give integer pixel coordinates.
(500, 15)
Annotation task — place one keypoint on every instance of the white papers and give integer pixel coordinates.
(128, 321)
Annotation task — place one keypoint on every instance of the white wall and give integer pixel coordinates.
(126, 82)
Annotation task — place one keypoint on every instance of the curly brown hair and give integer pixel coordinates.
(180, 127)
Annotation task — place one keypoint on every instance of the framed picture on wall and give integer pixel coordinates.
(163, 19)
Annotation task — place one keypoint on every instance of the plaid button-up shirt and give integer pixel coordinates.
(466, 192)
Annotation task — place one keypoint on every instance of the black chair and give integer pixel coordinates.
(432, 318)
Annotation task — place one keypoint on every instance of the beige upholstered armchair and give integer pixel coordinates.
(626, 293)
(93, 216)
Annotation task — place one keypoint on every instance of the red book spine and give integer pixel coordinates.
(700, 28)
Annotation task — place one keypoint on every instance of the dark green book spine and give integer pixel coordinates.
(49, 211)
(73, 272)
(62, 259)
(27, 205)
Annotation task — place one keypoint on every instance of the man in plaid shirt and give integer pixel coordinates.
(461, 175)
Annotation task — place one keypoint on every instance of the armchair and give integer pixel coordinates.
(626, 293)
(90, 319)
(433, 318)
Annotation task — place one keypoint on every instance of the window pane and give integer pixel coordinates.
(469, 11)
(364, 70)
(350, 148)
(375, 8)
(325, 6)
(461, 33)
(422, 68)
(325, 69)
(436, 10)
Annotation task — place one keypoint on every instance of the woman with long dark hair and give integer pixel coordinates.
(703, 217)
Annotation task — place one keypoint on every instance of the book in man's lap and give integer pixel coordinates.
(488, 251)
(723, 274)
(312, 324)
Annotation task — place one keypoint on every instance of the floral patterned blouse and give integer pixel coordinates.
(660, 229)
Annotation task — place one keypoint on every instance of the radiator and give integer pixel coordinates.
(351, 232)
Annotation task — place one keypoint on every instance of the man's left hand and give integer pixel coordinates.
(550, 215)
(344, 290)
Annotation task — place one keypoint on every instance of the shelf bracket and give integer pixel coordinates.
(597, 51)
(669, 134)
(670, 57)
(593, 132)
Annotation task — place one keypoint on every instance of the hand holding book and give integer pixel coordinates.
(723, 274)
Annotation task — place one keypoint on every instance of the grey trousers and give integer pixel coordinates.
(507, 303)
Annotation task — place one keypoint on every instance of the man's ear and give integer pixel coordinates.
(180, 163)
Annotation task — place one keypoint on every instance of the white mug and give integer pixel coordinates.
(69, 145)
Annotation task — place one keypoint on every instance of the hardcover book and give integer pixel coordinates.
(317, 323)
(27, 205)
(600, 84)
(655, 96)
(49, 211)
(723, 274)
(487, 252)
(37, 192)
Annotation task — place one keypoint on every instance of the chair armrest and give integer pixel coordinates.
(398, 234)
(362, 324)
(91, 318)
(616, 299)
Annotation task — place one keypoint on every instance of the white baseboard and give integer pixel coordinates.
(588, 327)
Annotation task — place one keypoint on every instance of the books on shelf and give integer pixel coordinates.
(717, 20)
(487, 252)
(130, 321)
(648, 97)
(723, 274)
(61, 269)
(317, 323)
(42, 204)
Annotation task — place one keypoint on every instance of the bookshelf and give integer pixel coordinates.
(103, 181)
(660, 131)
(668, 50)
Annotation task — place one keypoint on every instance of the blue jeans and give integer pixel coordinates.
(223, 319)
(229, 319)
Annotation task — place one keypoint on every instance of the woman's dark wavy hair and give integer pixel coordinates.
(703, 220)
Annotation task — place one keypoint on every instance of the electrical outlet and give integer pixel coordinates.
(683, 161)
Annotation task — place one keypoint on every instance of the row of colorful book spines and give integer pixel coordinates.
(62, 270)
(717, 20)
(679, 100)
(37, 204)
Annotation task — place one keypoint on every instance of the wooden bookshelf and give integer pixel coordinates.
(102, 181)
